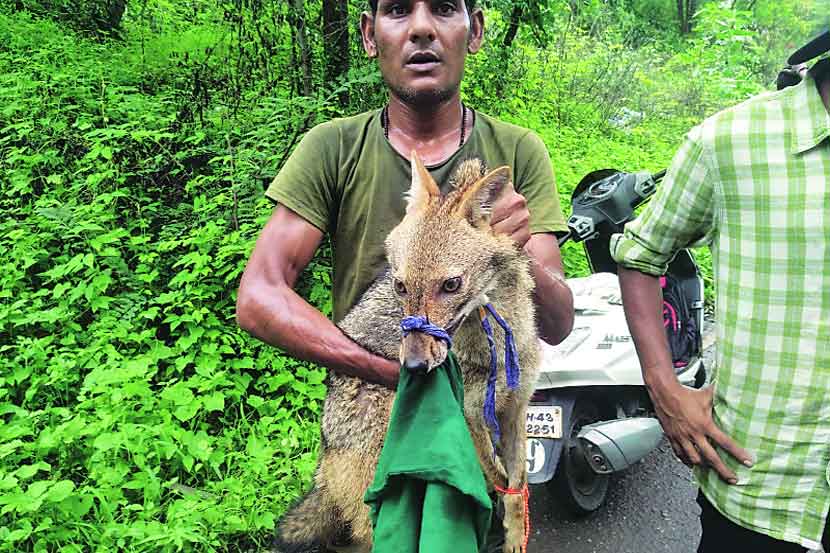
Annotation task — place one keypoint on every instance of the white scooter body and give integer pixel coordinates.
(599, 351)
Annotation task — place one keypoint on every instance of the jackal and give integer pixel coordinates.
(445, 262)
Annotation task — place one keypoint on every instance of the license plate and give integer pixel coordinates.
(544, 421)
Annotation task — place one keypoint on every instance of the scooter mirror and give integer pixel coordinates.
(794, 73)
(816, 47)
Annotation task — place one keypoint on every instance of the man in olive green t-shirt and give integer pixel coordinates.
(348, 178)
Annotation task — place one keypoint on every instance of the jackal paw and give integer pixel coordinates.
(514, 544)
(514, 523)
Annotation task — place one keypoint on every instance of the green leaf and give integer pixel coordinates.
(78, 505)
(136, 483)
(265, 521)
(255, 401)
(214, 402)
(60, 491)
(107, 441)
(179, 394)
(188, 411)
(27, 471)
(37, 488)
(8, 482)
(14, 502)
(21, 533)
(243, 363)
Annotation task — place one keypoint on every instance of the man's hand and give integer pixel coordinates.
(510, 216)
(388, 373)
(686, 417)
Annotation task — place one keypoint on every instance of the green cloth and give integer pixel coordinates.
(754, 182)
(429, 493)
(346, 179)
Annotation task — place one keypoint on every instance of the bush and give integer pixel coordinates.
(136, 415)
(97, 17)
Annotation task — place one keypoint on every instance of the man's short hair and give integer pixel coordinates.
(471, 4)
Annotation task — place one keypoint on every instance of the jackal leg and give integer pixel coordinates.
(514, 455)
(494, 472)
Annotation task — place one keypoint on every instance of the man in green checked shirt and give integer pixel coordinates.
(752, 182)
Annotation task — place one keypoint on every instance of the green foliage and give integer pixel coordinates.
(134, 414)
(96, 17)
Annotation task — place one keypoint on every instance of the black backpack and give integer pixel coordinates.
(679, 322)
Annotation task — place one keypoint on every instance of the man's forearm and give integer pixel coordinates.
(282, 318)
(643, 304)
(555, 303)
(684, 413)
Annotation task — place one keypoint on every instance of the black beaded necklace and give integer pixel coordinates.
(384, 122)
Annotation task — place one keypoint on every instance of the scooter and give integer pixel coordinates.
(590, 415)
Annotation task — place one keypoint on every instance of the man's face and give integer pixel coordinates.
(421, 46)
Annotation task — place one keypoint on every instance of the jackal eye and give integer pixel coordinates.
(399, 287)
(451, 285)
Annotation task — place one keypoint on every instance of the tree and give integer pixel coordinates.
(336, 41)
(685, 12)
(536, 15)
(95, 16)
(512, 26)
(298, 27)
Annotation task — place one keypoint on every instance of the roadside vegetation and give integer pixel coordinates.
(136, 140)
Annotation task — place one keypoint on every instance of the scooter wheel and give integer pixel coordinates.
(580, 490)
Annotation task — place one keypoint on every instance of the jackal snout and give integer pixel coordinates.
(444, 256)
(420, 353)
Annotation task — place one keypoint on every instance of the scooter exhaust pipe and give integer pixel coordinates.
(611, 446)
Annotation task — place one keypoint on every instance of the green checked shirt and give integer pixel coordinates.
(753, 182)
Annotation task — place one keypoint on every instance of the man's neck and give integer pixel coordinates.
(425, 122)
(433, 131)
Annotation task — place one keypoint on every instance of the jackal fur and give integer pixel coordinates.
(441, 239)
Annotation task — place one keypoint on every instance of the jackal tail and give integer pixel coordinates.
(306, 526)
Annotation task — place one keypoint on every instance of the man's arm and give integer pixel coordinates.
(552, 295)
(268, 307)
(684, 413)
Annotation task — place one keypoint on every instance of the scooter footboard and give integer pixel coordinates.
(543, 453)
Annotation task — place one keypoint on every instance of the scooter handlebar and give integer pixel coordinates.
(610, 199)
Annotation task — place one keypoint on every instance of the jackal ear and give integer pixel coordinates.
(423, 188)
(477, 201)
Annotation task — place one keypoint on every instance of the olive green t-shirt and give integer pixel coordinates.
(345, 178)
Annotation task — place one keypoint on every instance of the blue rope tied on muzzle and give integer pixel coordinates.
(418, 323)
